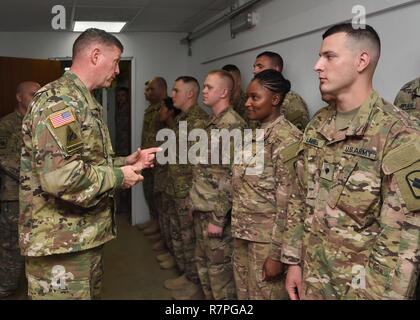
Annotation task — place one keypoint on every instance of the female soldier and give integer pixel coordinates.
(167, 114)
(260, 201)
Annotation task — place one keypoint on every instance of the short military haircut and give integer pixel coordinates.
(226, 76)
(274, 81)
(191, 81)
(275, 58)
(161, 82)
(94, 35)
(367, 34)
(231, 68)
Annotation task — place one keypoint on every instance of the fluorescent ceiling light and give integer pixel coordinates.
(109, 26)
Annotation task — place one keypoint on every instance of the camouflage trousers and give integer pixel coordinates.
(186, 241)
(69, 276)
(148, 192)
(175, 233)
(11, 262)
(214, 260)
(164, 218)
(248, 261)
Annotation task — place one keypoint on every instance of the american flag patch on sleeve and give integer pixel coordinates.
(61, 118)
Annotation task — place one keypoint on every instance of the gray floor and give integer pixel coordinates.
(131, 271)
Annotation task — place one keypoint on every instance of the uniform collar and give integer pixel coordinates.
(92, 103)
(183, 115)
(269, 126)
(19, 116)
(357, 126)
(216, 119)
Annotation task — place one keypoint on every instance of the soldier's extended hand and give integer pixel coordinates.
(143, 159)
(214, 231)
(131, 177)
(294, 282)
(272, 269)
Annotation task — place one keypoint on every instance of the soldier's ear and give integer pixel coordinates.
(275, 100)
(94, 56)
(225, 93)
(364, 61)
(19, 97)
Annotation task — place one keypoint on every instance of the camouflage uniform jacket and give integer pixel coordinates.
(180, 175)
(212, 183)
(295, 110)
(10, 148)
(408, 99)
(67, 172)
(358, 213)
(260, 200)
(151, 126)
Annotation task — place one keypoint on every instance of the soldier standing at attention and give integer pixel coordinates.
(353, 230)
(11, 262)
(156, 91)
(185, 94)
(69, 177)
(294, 107)
(260, 199)
(165, 207)
(211, 195)
(238, 96)
(408, 99)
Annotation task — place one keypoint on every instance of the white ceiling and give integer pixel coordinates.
(143, 15)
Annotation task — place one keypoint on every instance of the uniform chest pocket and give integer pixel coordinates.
(263, 178)
(355, 191)
(94, 140)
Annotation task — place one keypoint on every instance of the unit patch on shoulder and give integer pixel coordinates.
(61, 118)
(413, 180)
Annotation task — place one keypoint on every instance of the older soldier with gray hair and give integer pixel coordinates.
(69, 176)
(11, 262)
(353, 230)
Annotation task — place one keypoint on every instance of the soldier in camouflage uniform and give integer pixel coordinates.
(238, 96)
(122, 143)
(211, 195)
(122, 122)
(11, 262)
(167, 114)
(156, 92)
(185, 93)
(260, 199)
(294, 107)
(408, 99)
(68, 176)
(353, 230)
